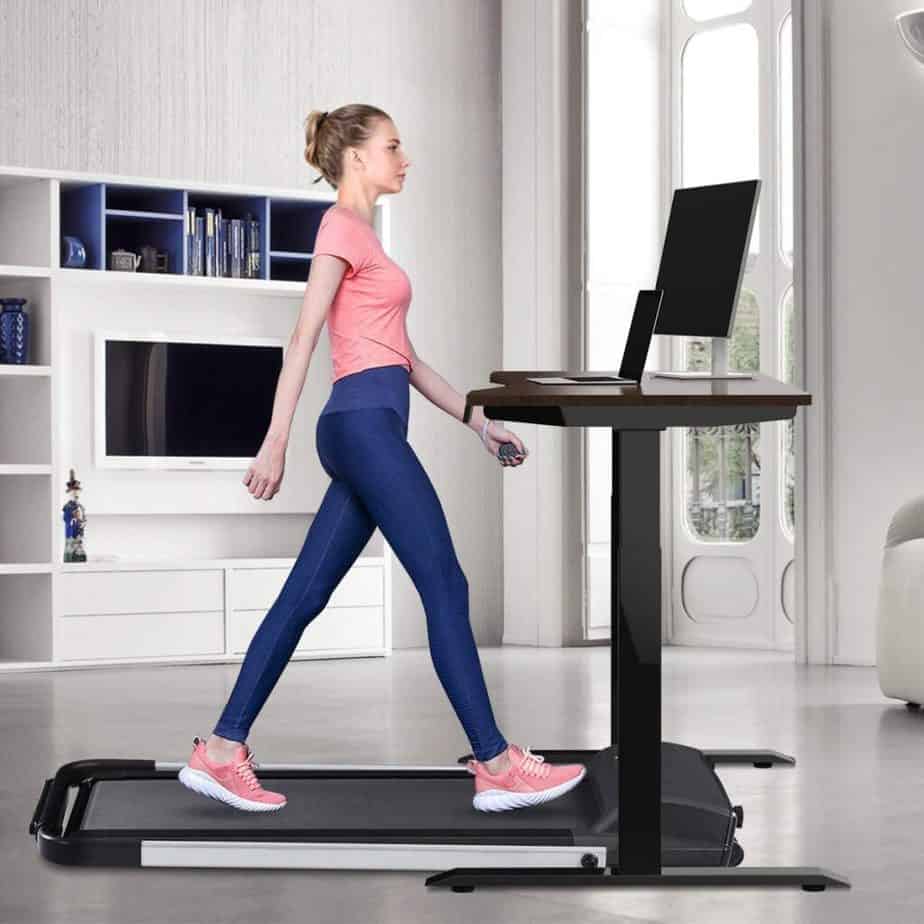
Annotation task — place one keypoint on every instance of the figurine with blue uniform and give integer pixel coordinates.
(74, 523)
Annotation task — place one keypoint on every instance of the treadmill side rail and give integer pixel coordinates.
(359, 856)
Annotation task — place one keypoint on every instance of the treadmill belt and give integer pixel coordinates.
(158, 804)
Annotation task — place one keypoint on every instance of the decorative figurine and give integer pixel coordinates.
(74, 521)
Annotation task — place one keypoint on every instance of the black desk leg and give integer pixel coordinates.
(635, 676)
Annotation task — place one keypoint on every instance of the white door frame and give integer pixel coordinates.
(816, 586)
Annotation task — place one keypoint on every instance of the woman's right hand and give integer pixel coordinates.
(265, 472)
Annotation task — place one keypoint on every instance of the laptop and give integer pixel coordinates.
(644, 318)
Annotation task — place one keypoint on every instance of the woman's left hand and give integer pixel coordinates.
(495, 435)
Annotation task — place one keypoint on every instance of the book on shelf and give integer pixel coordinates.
(219, 243)
(210, 243)
(237, 248)
(198, 265)
(253, 247)
(190, 225)
(224, 250)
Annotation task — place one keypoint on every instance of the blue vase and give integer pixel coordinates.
(14, 331)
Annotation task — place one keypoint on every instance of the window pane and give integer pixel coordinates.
(788, 361)
(719, 110)
(609, 314)
(786, 155)
(788, 344)
(723, 463)
(709, 9)
(623, 167)
(744, 346)
(629, 16)
(723, 482)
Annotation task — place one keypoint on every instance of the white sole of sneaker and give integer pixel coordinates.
(202, 783)
(501, 800)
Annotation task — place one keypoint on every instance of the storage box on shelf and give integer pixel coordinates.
(181, 610)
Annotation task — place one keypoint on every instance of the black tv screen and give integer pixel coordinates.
(178, 399)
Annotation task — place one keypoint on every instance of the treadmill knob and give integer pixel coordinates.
(589, 861)
(739, 814)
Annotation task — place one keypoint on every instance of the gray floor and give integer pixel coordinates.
(854, 803)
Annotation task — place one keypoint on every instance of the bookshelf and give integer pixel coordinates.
(183, 565)
(109, 216)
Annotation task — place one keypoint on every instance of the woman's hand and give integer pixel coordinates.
(265, 473)
(495, 435)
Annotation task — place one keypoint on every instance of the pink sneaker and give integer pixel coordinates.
(234, 783)
(529, 781)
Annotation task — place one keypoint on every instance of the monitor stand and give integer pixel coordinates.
(719, 366)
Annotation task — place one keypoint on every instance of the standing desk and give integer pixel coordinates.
(636, 416)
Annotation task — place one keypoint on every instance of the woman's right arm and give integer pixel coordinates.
(323, 282)
(265, 474)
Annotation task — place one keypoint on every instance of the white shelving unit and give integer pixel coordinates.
(183, 565)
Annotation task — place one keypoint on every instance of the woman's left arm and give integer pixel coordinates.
(437, 390)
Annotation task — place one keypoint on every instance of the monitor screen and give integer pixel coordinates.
(182, 399)
(703, 258)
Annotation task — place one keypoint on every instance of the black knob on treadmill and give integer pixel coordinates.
(589, 861)
(739, 815)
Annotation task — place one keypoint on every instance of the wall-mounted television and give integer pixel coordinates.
(183, 402)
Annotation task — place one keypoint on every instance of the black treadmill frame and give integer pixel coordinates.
(69, 844)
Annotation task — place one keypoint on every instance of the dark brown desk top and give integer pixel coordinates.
(654, 403)
(517, 390)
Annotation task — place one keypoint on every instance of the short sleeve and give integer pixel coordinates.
(340, 237)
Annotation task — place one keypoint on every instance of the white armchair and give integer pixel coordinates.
(900, 617)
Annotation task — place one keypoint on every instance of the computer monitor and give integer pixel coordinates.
(702, 263)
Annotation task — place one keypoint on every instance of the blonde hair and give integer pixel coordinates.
(329, 134)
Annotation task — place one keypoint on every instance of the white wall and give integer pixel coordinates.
(873, 90)
(217, 91)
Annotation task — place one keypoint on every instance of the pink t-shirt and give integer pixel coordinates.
(366, 321)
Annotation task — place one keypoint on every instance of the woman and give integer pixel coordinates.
(376, 480)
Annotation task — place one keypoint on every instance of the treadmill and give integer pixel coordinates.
(674, 826)
(137, 813)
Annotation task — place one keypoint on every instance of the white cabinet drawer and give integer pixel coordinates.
(139, 635)
(141, 592)
(334, 628)
(258, 588)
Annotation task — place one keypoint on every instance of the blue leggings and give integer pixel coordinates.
(377, 480)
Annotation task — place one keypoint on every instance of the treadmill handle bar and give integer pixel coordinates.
(40, 806)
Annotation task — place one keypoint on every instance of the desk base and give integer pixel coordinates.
(810, 878)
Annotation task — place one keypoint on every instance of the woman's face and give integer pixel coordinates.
(385, 160)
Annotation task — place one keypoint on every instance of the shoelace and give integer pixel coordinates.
(245, 770)
(533, 764)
